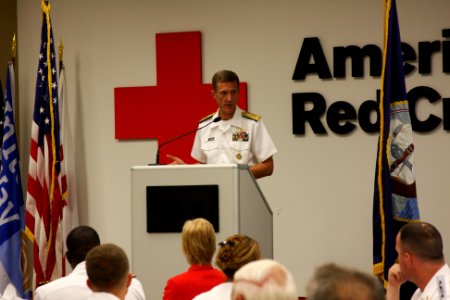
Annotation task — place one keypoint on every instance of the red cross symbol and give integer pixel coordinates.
(176, 104)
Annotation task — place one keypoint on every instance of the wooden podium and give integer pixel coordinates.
(241, 207)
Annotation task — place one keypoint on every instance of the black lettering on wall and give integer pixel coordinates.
(357, 56)
(300, 116)
(408, 55)
(446, 113)
(414, 95)
(364, 112)
(338, 116)
(311, 51)
(426, 51)
(446, 51)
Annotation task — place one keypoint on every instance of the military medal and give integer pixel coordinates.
(240, 135)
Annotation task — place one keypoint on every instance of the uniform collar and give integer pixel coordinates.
(79, 269)
(236, 120)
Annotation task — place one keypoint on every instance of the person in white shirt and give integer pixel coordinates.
(264, 279)
(73, 286)
(420, 260)
(108, 272)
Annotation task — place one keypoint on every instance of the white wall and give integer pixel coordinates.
(321, 191)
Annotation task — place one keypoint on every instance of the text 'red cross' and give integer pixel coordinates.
(176, 104)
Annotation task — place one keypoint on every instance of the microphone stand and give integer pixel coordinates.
(217, 119)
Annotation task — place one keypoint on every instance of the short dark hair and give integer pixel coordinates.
(224, 76)
(107, 266)
(333, 282)
(79, 242)
(423, 240)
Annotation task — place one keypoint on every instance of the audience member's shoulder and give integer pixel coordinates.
(72, 287)
(9, 293)
(135, 291)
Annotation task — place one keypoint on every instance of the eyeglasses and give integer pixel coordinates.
(226, 243)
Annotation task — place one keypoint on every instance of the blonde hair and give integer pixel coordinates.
(236, 251)
(198, 241)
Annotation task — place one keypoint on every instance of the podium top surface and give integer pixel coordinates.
(193, 166)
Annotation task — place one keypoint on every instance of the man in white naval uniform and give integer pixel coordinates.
(73, 286)
(421, 261)
(239, 137)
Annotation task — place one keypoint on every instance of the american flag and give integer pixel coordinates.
(70, 211)
(47, 189)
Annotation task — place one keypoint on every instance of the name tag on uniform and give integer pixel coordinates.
(441, 287)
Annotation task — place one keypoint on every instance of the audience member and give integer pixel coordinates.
(199, 244)
(73, 286)
(236, 251)
(420, 260)
(263, 279)
(9, 292)
(108, 272)
(333, 282)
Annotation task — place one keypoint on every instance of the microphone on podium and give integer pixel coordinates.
(215, 120)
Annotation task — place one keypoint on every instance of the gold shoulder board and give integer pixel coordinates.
(207, 117)
(251, 116)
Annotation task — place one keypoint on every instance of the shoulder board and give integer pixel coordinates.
(206, 118)
(251, 116)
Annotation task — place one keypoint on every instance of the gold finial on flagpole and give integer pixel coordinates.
(60, 50)
(61, 54)
(13, 48)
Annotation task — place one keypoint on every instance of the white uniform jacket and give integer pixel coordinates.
(437, 288)
(240, 140)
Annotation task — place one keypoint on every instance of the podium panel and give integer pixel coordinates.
(242, 208)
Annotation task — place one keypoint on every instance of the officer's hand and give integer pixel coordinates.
(175, 160)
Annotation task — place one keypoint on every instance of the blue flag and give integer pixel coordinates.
(2, 112)
(395, 198)
(11, 198)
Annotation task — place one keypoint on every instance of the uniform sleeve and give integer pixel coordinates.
(262, 145)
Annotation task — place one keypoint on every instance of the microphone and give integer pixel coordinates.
(215, 120)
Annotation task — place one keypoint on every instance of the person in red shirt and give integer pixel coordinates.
(199, 244)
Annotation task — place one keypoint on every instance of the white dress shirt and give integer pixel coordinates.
(74, 287)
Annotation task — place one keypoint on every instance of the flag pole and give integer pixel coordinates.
(13, 49)
(61, 55)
